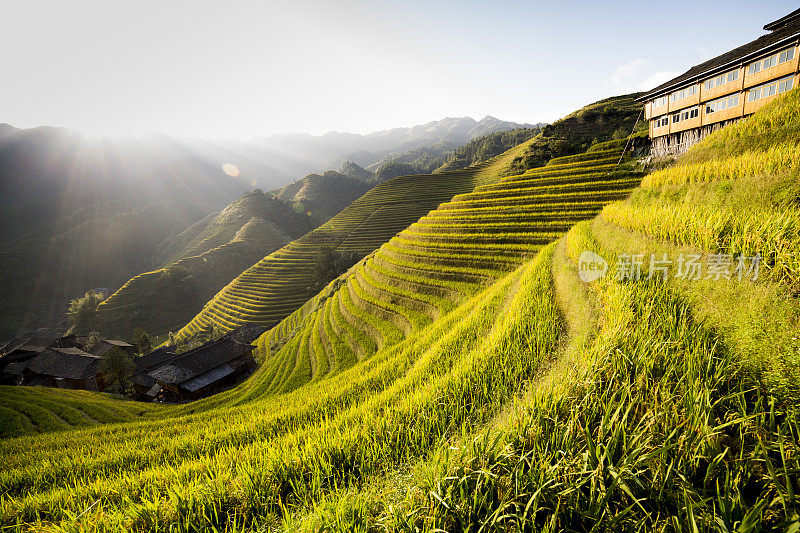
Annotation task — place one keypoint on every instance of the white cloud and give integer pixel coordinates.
(627, 72)
(703, 53)
(655, 79)
(637, 75)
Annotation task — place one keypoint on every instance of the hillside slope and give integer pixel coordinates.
(78, 212)
(332, 149)
(537, 402)
(450, 254)
(280, 283)
(208, 255)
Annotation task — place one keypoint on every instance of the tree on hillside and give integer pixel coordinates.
(392, 169)
(142, 341)
(331, 264)
(83, 312)
(92, 340)
(118, 367)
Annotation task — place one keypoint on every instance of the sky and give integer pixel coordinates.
(244, 68)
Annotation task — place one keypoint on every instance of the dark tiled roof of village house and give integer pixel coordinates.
(64, 362)
(200, 360)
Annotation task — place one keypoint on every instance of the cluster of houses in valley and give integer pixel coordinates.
(71, 362)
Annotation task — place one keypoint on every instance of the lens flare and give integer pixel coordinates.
(230, 169)
(298, 207)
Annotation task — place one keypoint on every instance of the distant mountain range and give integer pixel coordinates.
(333, 149)
(80, 212)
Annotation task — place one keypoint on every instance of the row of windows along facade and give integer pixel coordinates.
(726, 96)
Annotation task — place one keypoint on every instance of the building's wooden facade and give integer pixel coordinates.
(723, 90)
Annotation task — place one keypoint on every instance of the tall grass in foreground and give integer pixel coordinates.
(773, 232)
(467, 372)
(783, 157)
(736, 192)
(655, 430)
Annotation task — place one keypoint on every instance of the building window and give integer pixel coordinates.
(771, 61)
(659, 102)
(786, 55)
(661, 122)
(686, 114)
(721, 104)
(722, 79)
(771, 89)
(683, 93)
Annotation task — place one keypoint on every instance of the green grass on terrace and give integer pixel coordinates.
(534, 402)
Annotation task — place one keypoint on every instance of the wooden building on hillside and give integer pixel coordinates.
(205, 370)
(144, 384)
(104, 345)
(17, 355)
(724, 89)
(65, 368)
(65, 362)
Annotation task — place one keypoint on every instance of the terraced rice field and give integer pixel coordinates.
(26, 410)
(534, 401)
(428, 268)
(281, 282)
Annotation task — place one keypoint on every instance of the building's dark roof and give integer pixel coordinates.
(246, 333)
(766, 43)
(143, 380)
(158, 357)
(104, 345)
(777, 24)
(19, 355)
(200, 360)
(64, 363)
(15, 369)
(120, 344)
(31, 345)
(207, 378)
(150, 362)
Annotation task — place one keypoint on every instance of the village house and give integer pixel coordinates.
(63, 362)
(15, 359)
(65, 368)
(205, 370)
(104, 345)
(144, 384)
(67, 362)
